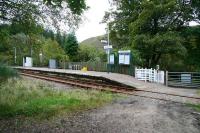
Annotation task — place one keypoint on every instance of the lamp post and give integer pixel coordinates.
(15, 55)
(107, 47)
(108, 44)
(41, 58)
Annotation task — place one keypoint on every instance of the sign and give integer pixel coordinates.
(127, 59)
(52, 63)
(112, 59)
(186, 78)
(108, 47)
(121, 59)
(124, 57)
(27, 62)
(104, 41)
(124, 52)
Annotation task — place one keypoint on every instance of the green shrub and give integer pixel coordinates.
(6, 72)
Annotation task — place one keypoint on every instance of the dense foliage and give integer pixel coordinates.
(91, 54)
(51, 50)
(70, 46)
(158, 30)
(6, 72)
(47, 12)
(32, 28)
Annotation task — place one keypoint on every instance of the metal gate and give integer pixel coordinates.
(183, 79)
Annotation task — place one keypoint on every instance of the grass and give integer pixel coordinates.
(196, 106)
(198, 92)
(35, 99)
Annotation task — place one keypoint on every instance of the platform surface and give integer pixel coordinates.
(126, 79)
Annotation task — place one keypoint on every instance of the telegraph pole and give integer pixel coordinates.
(15, 55)
(108, 44)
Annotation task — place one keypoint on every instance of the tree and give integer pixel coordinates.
(153, 27)
(192, 43)
(59, 38)
(48, 34)
(50, 12)
(4, 44)
(71, 46)
(52, 50)
(90, 53)
(125, 13)
(27, 25)
(76, 6)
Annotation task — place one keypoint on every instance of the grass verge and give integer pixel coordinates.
(196, 106)
(35, 99)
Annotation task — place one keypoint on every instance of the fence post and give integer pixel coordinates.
(136, 72)
(150, 75)
(166, 78)
(155, 75)
(145, 74)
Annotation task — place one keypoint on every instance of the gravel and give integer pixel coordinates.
(129, 115)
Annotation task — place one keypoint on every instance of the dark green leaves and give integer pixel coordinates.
(76, 6)
(6, 72)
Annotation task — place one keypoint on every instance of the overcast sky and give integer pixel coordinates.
(91, 26)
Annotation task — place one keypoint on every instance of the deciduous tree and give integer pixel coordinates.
(152, 27)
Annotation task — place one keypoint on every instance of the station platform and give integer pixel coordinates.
(125, 79)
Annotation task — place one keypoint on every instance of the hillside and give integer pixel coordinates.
(94, 41)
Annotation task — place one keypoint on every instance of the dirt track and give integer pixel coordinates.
(130, 115)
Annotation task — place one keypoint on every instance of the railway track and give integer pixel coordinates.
(104, 85)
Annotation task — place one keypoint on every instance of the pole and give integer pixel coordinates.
(108, 43)
(31, 51)
(166, 78)
(108, 49)
(15, 55)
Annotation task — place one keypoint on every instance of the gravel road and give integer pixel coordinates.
(129, 115)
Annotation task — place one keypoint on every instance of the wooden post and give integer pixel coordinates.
(151, 75)
(155, 75)
(145, 74)
(136, 72)
(166, 78)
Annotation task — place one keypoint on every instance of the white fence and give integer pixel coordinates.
(150, 75)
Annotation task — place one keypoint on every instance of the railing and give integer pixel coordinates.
(150, 75)
(183, 79)
(99, 66)
(91, 66)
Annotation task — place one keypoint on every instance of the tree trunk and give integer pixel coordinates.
(157, 58)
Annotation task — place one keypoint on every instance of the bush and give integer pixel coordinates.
(90, 53)
(6, 72)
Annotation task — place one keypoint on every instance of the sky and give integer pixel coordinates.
(91, 26)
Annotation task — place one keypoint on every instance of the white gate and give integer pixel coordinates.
(151, 75)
